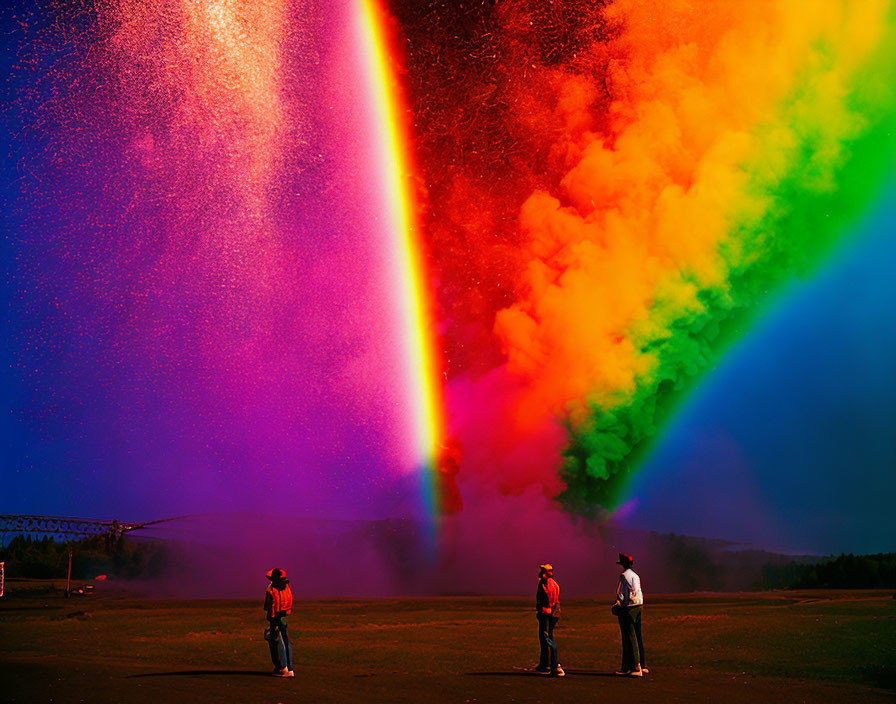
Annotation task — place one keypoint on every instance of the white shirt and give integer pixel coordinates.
(629, 589)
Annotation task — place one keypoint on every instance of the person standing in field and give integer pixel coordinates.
(629, 600)
(547, 608)
(278, 607)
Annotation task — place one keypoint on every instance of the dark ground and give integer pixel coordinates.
(818, 646)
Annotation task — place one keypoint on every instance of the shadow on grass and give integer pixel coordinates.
(251, 673)
(878, 676)
(529, 673)
(507, 673)
(29, 608)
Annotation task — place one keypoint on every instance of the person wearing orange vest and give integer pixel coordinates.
(547, 608)
(278, 607)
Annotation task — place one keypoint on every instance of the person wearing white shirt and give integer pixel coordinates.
(629, 600)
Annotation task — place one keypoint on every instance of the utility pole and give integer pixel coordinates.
(68, 579)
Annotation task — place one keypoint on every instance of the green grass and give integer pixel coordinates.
(765, 643)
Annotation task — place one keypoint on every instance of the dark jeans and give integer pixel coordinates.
(640, 640)
(281, 648)
(629, 626)
(548, 657)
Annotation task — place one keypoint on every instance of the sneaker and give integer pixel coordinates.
(636, 673)
(559, 672)
(645, 671)
(543, 670)
(284, 673)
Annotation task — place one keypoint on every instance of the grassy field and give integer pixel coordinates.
(769, 647)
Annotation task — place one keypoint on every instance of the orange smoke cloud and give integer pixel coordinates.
(712, 107)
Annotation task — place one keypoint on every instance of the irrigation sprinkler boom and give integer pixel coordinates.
(67, 526)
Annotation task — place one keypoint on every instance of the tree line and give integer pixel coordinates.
(681, 564)
(47, 557)
(843, 572)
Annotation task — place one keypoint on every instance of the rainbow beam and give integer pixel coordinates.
(396, 168)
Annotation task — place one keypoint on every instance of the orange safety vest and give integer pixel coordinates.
(278, 601)
(553, 595)
(552, 591)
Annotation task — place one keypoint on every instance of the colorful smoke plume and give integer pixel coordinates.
(615, 191)
(296, 256)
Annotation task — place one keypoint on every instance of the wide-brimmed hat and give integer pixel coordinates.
(625, 560)
(547, 567)
(276, 574)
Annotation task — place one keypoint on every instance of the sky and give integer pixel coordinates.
(198, 315)
(788, 442)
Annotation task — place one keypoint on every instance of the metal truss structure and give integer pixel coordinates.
(68, 527)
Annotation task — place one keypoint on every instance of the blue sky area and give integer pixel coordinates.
(790, 441)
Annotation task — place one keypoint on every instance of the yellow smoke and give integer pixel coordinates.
(711, 103)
